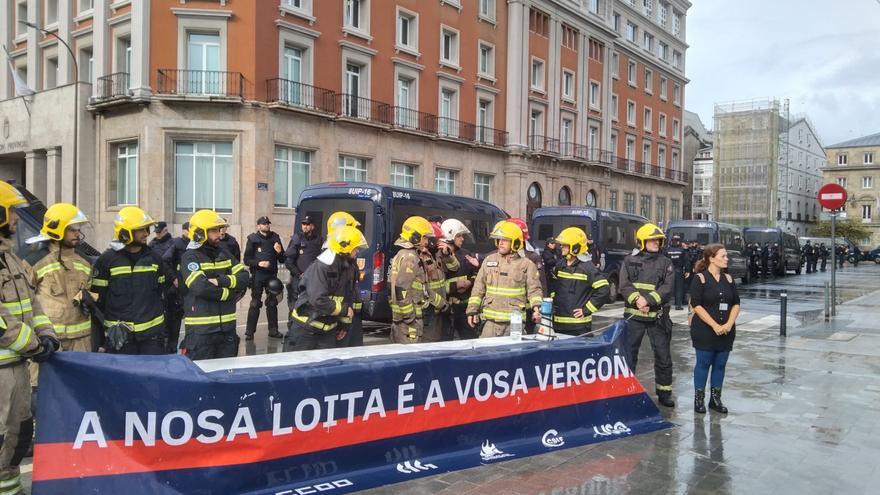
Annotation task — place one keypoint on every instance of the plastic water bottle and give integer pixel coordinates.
(516, 325)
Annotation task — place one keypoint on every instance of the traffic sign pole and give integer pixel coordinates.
(833, 264)
(833, 197)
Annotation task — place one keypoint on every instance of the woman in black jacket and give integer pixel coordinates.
(716, 305)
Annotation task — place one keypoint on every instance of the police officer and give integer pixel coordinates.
(841, 255)
(230, 244)
(212, 283)
(459, 281)
(62, 274)
(438, 260)
(681, 265)
(823, 253)
(579, 288)
(163, 239)
(506, 282)
(25, 333)
(302, 251)
(765, 259)
(807, 252)
(550, 254)
(646, 284)
(776, 261)
(262, 254)
(174, 293)
(752, 258)
(409, 282)
(326, 292)
(130, 279)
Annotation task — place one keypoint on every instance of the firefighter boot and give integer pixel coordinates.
(664, 397)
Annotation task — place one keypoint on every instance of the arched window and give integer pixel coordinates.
(565, 196)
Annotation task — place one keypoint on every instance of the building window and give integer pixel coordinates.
(661, 210)
(648, 119)
(661, 157)
(487, 60)
(663, 51)
(87, 65)
(304, 6)
(614, 107)
(51, 77)
(646, 153)
(868, 159)
(485, 121)
(292, 175)
(204, 176)
(537, 74)
(661, 125)
(676, 24)
(21, 14)
(86, 5)
(539, 22)
(291, 72)
(352, 169)
(444, 181)
(487, 10)
(676, 130)
(124, 190)
(593, 6)
(631, 113)
(631, 74)
(449, 46)
(868, 182)
(841, 181)
(614, 143)
(674, 160)
(631, 32)
(593, 141)
(448, 112)
(612, 200)
(629, 202)
(403, 175)
(649, 81)
(594, 95)
(615, 22)
(841, 159)
(629, 152)
(663, 88)
(407, 30)
(664, 14)
(203, 55)
(567, 85)
(570, 37)
(564, 196)
(648, 42)
(405, 100)
(536, 123)
(615, 65)
(676, 94)
(676, 59)
(483, 187)
(674, 211)
(866, 213)
(355, 11)
(566, 132)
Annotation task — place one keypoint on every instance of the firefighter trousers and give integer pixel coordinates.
(495, 329)
(408, 331)
(432, 321)
(16, 424)
(660, 335)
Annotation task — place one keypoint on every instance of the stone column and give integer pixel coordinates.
(34, 52)
(65, 20)
(7, 31)
(140, 44)
(54, 178)
(35, 173)
(100, 42)
(517, 83)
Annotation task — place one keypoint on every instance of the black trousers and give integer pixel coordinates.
(456, 322)
(307, 338)
(660, 334)
(211, 345)
(354, 333)
(257, 287)
(824, 262)
(144, 345)
(679, 289)
(173, 319)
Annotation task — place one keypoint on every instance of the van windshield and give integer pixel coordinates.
(480, 224)
(761, 237)
(321, 209)
(545, 227)
(703, 235)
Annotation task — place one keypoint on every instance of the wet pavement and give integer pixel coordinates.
(803, 415)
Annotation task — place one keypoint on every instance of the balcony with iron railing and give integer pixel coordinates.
(113, 86)
(648, 170)
(208, 83)
(543, 144)
(297, 94)
(455, 129)
(490, 137)
(354, 107)
(414, 120)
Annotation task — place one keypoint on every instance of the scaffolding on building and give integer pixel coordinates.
(751, 160)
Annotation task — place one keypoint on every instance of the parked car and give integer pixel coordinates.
(381, 210)
(790, 251)
(708, 232)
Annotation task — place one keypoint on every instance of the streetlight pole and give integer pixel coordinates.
(75, 102)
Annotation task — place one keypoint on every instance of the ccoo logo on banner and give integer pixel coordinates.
(159, 424)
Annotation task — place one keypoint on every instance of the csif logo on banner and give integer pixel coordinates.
(412, 467)
(552, 439)
(318, 488)
(489, 452)
(608, 430)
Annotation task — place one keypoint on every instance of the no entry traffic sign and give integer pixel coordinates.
(832, 196)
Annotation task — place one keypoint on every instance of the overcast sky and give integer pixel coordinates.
(824, 56)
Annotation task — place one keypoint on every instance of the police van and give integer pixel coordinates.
(708, 232)
(612, 234)
(789, 248)
(381, 210)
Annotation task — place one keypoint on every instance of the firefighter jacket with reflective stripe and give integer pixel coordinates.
(130, 288)
(60, 278)
(326, 292)
(437, 265)
(210, 307)
(467, 270)
(504, 284)
(22, 320)
(649, 275)
(409, 284)
(577, 286)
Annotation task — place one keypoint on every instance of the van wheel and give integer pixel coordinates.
(877, 260)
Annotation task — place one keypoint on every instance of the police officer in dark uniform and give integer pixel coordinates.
(163, 239)
(681, 265)
(765, 259)
(841, 255)
(173, 294)
(808, 253)
(646, 284)
(752, 254)
(823, 254)
(262, 255)
(304, 248)
(776, 260)
(230, 244)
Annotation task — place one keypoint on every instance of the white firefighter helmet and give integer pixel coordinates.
(451, 228)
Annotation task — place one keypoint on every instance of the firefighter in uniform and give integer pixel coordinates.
(326, 291)
(350, 331)
(579, 288)
(62, 274)
(212, 284)
(646, 284)
(438, 260)
(130, 279)
(262, 254)
(459, 281)
(174, 294)
(25, 333)
(409, 282)
(506, 282)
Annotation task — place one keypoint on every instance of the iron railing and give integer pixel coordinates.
(543, 144)
(114, 85)
(353, 106)
(407, 118)
(201, 82)
(647, 169)
(297, 94)
(490, 136)
(455, 129)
